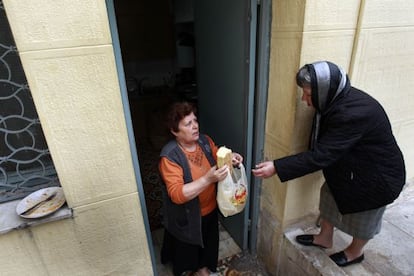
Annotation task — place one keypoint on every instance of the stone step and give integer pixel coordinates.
(389, 253)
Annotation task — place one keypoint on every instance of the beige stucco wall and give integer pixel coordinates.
(384, 66)
(68, 58)
(369, 39)
(66, 52)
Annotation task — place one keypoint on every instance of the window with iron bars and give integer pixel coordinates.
(25, 161)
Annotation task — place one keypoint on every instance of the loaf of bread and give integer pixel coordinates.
(224, 156)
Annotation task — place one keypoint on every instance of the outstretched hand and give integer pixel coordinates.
(264, 169)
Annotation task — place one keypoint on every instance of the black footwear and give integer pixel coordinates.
(307, 240)
(341, 260)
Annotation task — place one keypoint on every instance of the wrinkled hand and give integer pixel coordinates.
(214, 175)
(236, 159)
(264, 169)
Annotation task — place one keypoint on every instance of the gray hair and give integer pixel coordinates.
(303, 77)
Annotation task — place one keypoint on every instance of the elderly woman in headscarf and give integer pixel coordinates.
(353, 144)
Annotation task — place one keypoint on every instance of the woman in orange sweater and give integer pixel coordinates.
(188, 168)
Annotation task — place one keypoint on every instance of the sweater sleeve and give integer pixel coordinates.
(172, 175)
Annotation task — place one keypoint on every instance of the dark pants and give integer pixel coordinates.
(190, 257)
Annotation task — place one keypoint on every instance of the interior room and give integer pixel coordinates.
(157, 46)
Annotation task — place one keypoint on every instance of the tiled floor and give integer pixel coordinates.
(227, 248)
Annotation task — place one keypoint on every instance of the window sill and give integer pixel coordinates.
(9, 220)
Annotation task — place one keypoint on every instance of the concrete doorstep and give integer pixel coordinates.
(391, 252)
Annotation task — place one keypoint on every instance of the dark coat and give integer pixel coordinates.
(361, 161)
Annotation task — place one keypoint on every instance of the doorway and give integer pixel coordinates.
(157, 46)
(169, 52)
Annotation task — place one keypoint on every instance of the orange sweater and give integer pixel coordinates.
(173, 177)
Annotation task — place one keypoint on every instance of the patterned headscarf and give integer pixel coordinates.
(327, 82)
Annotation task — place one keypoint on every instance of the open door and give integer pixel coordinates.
(225, 37)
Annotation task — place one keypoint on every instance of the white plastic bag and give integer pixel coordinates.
(232, 196)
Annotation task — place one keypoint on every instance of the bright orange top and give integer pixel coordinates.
(173, 177)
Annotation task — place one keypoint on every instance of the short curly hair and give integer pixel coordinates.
(177, 112)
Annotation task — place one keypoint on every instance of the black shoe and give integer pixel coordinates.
(307, 240)
(341, 260)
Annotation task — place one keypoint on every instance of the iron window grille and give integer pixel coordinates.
(25, 161)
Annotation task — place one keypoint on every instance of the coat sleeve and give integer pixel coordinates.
(339, 132)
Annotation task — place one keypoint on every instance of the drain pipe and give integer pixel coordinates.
(356, 38)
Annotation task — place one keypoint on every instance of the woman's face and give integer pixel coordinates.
(187, 129)
(307, 95)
